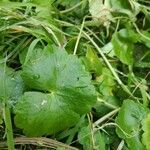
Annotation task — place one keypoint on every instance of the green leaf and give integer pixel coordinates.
(92, 62)
(124, 7)
(121, 4)
(145, 38)
(123, 44)
(108, 49)
(146, 134)
(129, 121)
(89, 141)
(11, 87)
(128, 35)
(30, 50)
(11, 84)
(39, 113)
(106, 82)
(69, 93)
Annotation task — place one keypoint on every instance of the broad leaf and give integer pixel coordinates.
(69, 93)
(129, 121)
(123, 43)
(39, 113)
(146, 134)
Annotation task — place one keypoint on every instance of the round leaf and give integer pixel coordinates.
(70, 93)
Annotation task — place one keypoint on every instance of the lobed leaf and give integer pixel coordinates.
(66, 93)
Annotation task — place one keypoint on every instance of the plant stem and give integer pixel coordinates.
(9, 131)
(91, 130)
(121, 145)
(72, 8)
(78, 39)
(99, 121)
(7, 115)
(106, 103)
(124, 87)
(41, 142)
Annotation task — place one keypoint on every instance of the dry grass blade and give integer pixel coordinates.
(39, 141)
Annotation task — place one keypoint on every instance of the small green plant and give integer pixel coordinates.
(74, 74)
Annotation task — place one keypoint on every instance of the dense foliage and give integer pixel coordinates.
(75, 72)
